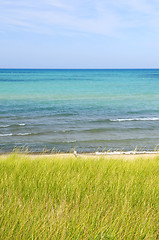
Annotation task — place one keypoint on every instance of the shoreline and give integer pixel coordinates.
(110, 155)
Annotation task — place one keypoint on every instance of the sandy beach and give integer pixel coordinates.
(85, 155)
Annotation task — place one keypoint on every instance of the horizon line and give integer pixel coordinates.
(29, 68)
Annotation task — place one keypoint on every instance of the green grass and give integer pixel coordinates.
(77, 198)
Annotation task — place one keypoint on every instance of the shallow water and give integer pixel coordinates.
(87, 109)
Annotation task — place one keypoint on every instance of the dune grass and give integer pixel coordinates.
(79, 198)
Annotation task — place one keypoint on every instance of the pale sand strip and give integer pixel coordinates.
(85, 155)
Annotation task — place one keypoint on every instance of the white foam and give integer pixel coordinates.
(134, 119)
(4, 126)
(23, 134)
(6, 135)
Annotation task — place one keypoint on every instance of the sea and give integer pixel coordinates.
(45, 110)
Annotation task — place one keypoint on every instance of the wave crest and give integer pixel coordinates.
(134, 119)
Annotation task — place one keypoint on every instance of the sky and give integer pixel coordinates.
(79, 33)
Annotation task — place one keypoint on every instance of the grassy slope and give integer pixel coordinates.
(68, 198)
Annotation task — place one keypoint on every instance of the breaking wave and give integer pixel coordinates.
(134, 119)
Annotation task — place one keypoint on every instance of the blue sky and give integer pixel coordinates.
(79, 34)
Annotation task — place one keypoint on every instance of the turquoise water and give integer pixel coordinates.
(86, 109)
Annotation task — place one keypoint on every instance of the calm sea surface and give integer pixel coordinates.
(87, 109)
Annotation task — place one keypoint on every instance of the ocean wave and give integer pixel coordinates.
(4, 126)
(12, 125)
(91, 130)
(23, 134)
(134, 119)
(71, 141)
(6, 134)
(18, 134)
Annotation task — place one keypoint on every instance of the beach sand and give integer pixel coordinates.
(85, 155)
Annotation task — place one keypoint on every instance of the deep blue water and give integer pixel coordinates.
(86, 109)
